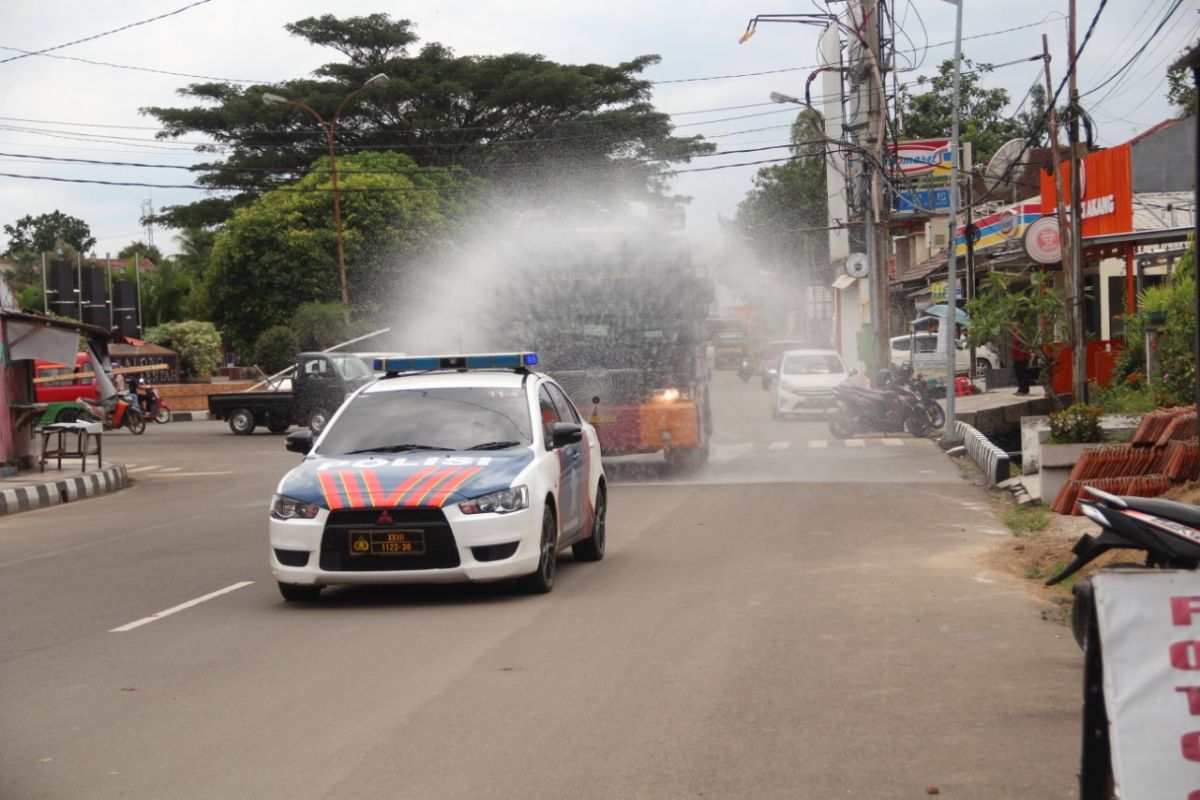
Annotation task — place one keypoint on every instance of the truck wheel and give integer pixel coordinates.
(67, 415)
(317, 420)
(278, 427)
(241, 422)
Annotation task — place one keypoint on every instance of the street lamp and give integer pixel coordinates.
(378, 81)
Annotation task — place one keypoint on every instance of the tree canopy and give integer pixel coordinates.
(517, 119)
(42, 234)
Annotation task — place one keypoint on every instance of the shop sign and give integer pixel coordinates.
(922, 156)
(1106, 184)
(996, 229)
(1042, 241)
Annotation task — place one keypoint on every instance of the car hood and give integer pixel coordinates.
(406, 480)
(813, 381)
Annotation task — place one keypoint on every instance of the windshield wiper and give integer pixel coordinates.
(397, 448)
(494, 446)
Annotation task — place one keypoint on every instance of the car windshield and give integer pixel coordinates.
(812, 364)
(458, 418)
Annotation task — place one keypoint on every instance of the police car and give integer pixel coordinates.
(446, 469)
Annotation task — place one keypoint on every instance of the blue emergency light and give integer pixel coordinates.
(460, 363)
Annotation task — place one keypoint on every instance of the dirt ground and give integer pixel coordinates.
(1036, 556)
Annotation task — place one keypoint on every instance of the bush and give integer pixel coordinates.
(198, 345)
(1077, 424)
(276, 349)
(1129, 397)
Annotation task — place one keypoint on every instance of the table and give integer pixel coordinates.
(86, 442)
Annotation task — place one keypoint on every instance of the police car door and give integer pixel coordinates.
(570, 465)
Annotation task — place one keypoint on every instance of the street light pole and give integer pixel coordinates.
(328, 128)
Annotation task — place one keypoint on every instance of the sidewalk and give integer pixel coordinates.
(31, 489)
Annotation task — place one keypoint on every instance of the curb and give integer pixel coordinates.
(992, 460)
(190, 416)
(63, 490)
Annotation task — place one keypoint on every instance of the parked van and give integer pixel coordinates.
(64, 388)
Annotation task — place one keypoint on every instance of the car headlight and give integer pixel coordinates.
(504, 501)
(284, 507)
(670, 395)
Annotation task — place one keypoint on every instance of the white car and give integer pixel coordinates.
(805, 381)
(922, 348)
(447, 469)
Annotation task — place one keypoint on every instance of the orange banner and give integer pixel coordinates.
(1107, 197)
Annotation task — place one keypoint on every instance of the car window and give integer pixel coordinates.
(566, 409)
(901, 345)
(457, 418)
(812, 364)
(548, 411)
(315, 367)
(926, 344)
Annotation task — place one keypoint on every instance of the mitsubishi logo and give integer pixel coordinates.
(385, 519)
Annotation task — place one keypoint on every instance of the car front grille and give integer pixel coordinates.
(441, 552)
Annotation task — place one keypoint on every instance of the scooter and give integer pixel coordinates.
(889, 410)
(122, 415)
(744, 370)
(918, 385)
(1169, 534)
(152, 403)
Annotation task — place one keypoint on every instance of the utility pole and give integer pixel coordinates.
(1078, 343)
(876, 216)
(950, 430)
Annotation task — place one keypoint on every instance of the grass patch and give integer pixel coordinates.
(1024, 521)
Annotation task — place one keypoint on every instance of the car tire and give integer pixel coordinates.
(163, 415)
(592, 548)
(299, 593)
(241, 422)
(317, 420)
(982, 364)
(541, 580)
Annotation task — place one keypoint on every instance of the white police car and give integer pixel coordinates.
(447, 469)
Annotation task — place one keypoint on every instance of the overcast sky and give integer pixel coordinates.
(62, 107)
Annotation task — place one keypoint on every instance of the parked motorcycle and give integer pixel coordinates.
(744, 370)
(123, 414)
(153, 406)
(917, 383)
(1169, 534)
(887, 410)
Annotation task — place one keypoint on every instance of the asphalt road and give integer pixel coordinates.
(796, 620)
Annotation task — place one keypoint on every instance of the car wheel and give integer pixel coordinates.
(135, 421)
(67, 415)
(163, 415)
(241, 422)
(299, 593)
(317, 420)
(541, 581)
(982, 364)
(592, 548)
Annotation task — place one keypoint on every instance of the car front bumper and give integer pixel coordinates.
(787, 402)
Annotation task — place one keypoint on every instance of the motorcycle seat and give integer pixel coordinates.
(871, 394)
(1179, 512)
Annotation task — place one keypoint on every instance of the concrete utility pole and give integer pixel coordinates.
(950, 430)
(1065, 237)
(1191, 60)
(1078, 342)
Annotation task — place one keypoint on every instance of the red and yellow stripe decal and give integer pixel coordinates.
(349, 488)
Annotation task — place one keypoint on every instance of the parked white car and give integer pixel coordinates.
(805, 381)
(922, 348)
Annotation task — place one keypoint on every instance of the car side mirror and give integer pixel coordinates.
(299, 442)
(565, 433)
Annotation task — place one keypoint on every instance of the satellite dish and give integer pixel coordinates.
(856, 265)
(997, 168)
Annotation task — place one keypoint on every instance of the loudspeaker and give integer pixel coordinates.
(61, 283)
(125, 317)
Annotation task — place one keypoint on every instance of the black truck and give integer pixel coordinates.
(320, 382)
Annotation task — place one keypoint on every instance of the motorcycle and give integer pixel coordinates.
(744, 370)
(153, 406)
(123, 414)
(891, 409)
(1169, 534)
(918, 385)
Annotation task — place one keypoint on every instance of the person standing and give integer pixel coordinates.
(1020, 363)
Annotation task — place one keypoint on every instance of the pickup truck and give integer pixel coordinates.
(320, 382)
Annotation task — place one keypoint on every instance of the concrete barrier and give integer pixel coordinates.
(991, 459)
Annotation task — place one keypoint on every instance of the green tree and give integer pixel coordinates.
(165, 293)
(276, 348)
(42, 233)
(140, 249)
(319, 326)
(517, 119)
(198, 345)
(280, 251)
(1181, 90)
(983, 119)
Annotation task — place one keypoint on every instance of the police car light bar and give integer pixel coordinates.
(394, 366)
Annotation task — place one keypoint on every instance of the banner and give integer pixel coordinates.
(1107, 191)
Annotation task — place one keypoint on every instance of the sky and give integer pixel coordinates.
(62, 104)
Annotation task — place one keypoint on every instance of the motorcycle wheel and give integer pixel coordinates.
(917, 422)
(937, 414)
(841, 426)
(135, 421)
(163, 415)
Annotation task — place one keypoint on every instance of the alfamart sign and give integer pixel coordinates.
(922, 157)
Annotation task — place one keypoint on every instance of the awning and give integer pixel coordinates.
(36, 340)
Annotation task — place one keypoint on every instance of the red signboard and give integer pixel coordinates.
(1107, 197)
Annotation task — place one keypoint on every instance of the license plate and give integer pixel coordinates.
(387, 543)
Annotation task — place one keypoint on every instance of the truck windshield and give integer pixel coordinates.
(459, 418)
(351, 368)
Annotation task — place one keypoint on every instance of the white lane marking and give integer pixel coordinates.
(195, 474)
(180, 607)
(894, 442)
(143, 469)
(855, 443)
(818, 443)
(780, 445)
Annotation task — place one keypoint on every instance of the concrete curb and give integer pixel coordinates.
(991, 459)
(190, 416)
(63, 490)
